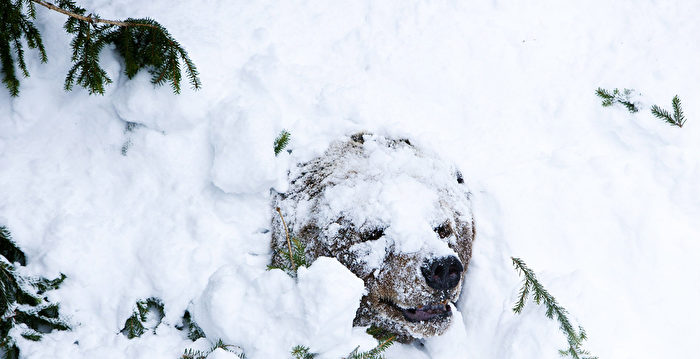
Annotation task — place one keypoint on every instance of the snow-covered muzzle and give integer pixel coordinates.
(397, 217)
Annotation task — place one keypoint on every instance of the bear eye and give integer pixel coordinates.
(444, 230)
(372, 234)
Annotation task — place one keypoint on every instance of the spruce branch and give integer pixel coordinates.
(142, 43)
(22, 300)
(193, 354)
(135, 325)
(553, 311)
(16, 24)
(617, 96)
(298, 259)
(198, 354)
(675, 119)
(8, 248)
(302, 352)
(374, 353)
(281, 141)
(193, 330)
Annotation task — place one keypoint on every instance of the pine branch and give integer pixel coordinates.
(194, 332)
(69, 8)
(15, 24)
(678, 116)
(281, 141)
(607, 97)
(380, 334)
(617, 96)
(675, 119)
(22, 302)
(553, 311)
(8, 248)
(142, 43)
(298, 259)
(374, 353)
(302, 352)
(135, 325)
(193, 354)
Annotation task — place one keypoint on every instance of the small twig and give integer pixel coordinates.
(89, 19)
(289, 244)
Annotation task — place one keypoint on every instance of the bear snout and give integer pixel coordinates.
(442, 273)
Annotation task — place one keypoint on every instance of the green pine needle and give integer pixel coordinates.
(281, 141)
(302, 352)
(135, 325)
(194, 332)
(9, 249)
(298, 258)
(675, 119)
(22, 301)
(193, 354)
(553, 311)
(617, 96)
(374, 353)
(198, 354)
(142, 44)
(17, 25)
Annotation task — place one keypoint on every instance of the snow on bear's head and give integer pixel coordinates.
(397, 217)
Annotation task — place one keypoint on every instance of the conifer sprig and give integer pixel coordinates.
(298, 258)
(675, 119)
(282, 141)
(22, 300)
(135, 325)
(16, 24)
(302, 352)
(553, 311)
(193, 330)
(374, 353)
(142, 43)
(199, 354)
(617, 96)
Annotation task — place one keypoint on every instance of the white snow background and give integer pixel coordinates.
(602, 204)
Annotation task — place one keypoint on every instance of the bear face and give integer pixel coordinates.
(397, 217)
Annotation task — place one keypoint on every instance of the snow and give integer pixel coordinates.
(402, 190)
(315, 310)
(602, 204)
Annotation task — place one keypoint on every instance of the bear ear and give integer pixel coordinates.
(460, 179)
(359, 137)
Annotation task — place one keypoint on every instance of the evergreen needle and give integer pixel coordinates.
(142, 44)
(553, 311)
(22, 301)
(281, 141)
(617, 96)
(675, 119)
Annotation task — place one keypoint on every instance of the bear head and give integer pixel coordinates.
(399, 218)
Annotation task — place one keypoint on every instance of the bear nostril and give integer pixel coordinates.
(442, 273)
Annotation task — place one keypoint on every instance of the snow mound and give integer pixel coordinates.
(267, 313)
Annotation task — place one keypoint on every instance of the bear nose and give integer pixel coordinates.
(442, 273)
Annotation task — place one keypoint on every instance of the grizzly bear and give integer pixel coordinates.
(398, 217)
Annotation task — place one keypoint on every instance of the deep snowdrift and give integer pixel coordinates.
(604, 205)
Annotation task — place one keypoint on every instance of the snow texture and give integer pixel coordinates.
(316, 310)
(602, 204)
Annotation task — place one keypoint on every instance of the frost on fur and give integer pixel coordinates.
(398, 217)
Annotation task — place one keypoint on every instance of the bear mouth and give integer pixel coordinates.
(436, 311)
